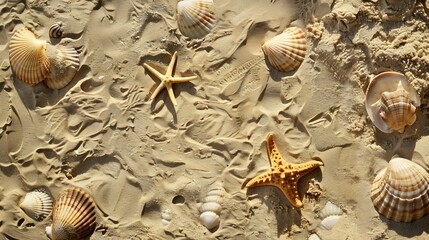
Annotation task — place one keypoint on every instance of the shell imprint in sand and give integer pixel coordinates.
(73, 216)
(211, 208)
(27, 57)
(37, 204)
(56, 30)
(64, 65)
(330, 215)
(391, 102)
(195, 18)
(286, 51)
(400, 192)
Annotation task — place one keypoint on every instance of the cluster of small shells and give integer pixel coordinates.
(211, 208)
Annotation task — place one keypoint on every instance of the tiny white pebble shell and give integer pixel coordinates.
(210, 219)
(195, 18)
(328, 222)
(314, 237)
(37, 204)
(166, 217)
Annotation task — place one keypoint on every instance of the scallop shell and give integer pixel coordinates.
(73, 215)
(166, 217)
(313, 237)
(195, 18)
(330, 215)
(286, 51)
(400, 192)
(64, 66)
(211, 208)
(391, 102)
(56, 30)
(37, 204)
(27, 57)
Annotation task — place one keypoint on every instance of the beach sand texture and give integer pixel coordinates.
(148, 165)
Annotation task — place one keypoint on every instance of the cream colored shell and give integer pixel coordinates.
(400, 192)
(286, 51)
(195, 18)
(37, 204)
(64, 66)
(27, 57)
(211, 208)
(56, 30)
(391, 102)
(330, 215)
(73, 215)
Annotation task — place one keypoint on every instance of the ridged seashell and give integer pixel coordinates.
(211, 208)
(37, 204)
(330, 215)
(313, 237)
(391, 102)
(64, 66)
(400, 192)
(286, 51)
(195, 18)
(56, 30)
(166, 217)
(27, 57)
(73, 215)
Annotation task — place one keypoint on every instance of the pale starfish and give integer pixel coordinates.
(282, 174)
(167, 79)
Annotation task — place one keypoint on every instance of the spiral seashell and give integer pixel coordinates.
(211, 208)
(330, 215)
(64, 66)
(56, 30)
(195, 18)
(391, 102)
(286, 51)
(37, 204)
(73, 215)
(400, 192)
(27, 57)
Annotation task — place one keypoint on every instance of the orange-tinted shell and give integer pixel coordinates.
(64, 66)
(195, 18)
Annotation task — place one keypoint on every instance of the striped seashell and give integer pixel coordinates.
(56, 30)
(195, 18)
(166, 217)
(211, 208)
(400, 192)
(64, 66)
(27, 57)
(37, 204)
(73, 216)
(330, 215)
(391, 102)
(286, 51)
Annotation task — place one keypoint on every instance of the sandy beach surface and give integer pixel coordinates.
(148, 165)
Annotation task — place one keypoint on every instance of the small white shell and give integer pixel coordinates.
(64, 65)
(211, 208)
(56, 31)
(314, 237)
(210, 219)
(166, 217)
(195, 18)
(330, 215)
(329, 222)
(37, 204)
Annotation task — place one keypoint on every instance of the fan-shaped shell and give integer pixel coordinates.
(330, 209)
(391, 102)
(37, 204)
(400, 192)
(313, 237)
(286, 51)
(328, 222)
(27, 57)
(73, 215)
(64, 66)
(166, 217)
(56, 30)
(211, 208)
(195, 18)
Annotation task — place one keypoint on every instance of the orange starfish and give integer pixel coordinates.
(282, 174)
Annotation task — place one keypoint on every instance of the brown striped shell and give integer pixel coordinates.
(400, 192)
(64, 65)
(56, 30)
(73, 215)
(391, 102)
(27, 57)
(195, 18)
(286, 51)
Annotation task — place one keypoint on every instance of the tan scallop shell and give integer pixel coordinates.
(400, 192)
(73, 215)
(27, 57)
(195, 18)
(391, 102)
(211, 208)
(286, 51)
(37, 204)
(64, 66)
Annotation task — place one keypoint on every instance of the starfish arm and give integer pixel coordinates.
(261, 180)
(154, 72)
(157, 90)
(290, 190)
(183, 79)
(171, 94)
(303, 169)
(171, 65)
(273, 152)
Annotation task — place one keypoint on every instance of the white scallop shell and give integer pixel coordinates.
(400, 192)
(27, 57)
(56, 30)
(314, 237)
(73, 215)
(391, 102)
(64, 66)
(37, 204)
(329, 222)
(286, 51)
(195, 18)
(329, 210)
(166, 217)
(211, 208)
